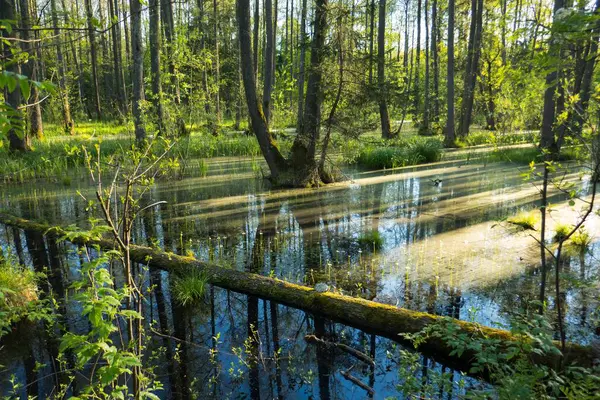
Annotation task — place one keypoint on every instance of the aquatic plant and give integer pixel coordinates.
(372, 241)
(524, 220)
(400, 154)
(18, 292)
(189, 289)
(561, 231)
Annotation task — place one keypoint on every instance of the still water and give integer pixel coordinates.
(429, 238)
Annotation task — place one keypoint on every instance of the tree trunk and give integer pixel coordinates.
(17, 136)
(304, 147)
(435, 37)
(471, 71)
(217, 66)
(371, 38)
(113, 6)
(154, 34)
(301, 66)
(418, 61)
(269, 50)
(94, 56)
(135, 8)
(255, 38)
(450, 138)
(269, 149)
(64, 94)
(425, 127)
(386, 130)
(33, 111)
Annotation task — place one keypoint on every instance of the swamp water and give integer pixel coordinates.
(396, 237)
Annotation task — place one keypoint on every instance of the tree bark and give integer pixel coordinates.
(113, 6)
(386, 130)
(269, 149)
(472, 67)
(425, 127)
(304, 147)
(217, 66)
(30, 70)
(269, 50)
(301, 66)
(94, 56)
(135, 8)
(450, 138)
(371, 38)
(157, 95)
(68, 125)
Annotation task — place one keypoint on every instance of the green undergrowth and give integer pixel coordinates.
(18, 293)
(371, 241)
(58, 157)
(397, 153)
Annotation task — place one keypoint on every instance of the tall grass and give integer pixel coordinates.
(400, 154)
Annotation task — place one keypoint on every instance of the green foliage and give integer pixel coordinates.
(524, 220)
(510, 365)
(371, 241)
(189, 289)
(102, 305)
(18, 293)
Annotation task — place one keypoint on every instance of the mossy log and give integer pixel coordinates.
(382, 319)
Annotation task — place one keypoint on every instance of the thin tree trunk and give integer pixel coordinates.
(34, 114)
(371, 38)
(94, 56)
(154, 34)
(256, 29)
(113, 6)
(269, 50)
(472, 67)
(435, 37)
(271, 153)
(135, 8)
(64, 94)
(450, 138)
(386, 130)
(301, 67)
(418, 61)
(425, 127)
(217, 66)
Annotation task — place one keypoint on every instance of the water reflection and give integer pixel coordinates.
(442, 252)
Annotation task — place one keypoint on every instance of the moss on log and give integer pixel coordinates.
(382, 319)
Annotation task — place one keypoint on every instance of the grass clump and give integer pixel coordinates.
(561, 231)
(18, 292)
(188, 290)
(524, 220)
(371, 241)
(398, 154)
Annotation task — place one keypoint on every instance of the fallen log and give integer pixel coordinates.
(381, 319)
(353, 352)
